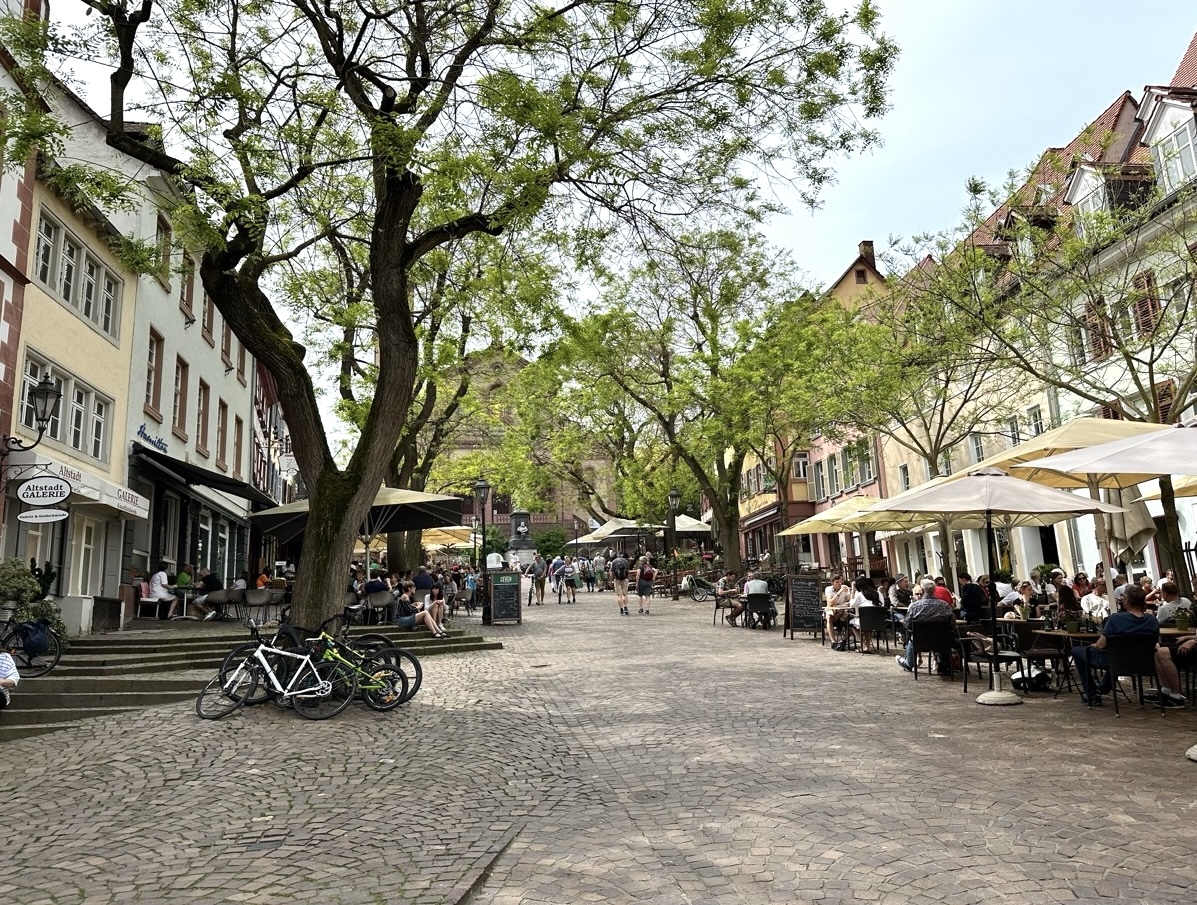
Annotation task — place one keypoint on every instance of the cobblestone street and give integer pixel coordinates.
(606, 759)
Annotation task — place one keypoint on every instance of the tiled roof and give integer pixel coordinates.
(1186, 72)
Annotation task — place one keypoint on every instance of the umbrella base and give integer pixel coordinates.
(999, 698)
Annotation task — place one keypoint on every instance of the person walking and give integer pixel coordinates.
(537, 570)
(644, 585)
(620, 569)
(567, 581)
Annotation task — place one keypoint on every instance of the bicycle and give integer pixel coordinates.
(317, 688)
(29, 666)
(382, 685)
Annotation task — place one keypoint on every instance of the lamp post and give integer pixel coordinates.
(577, 525)
(474, 535)
(481, 495)
(675, 499)
(44, 399)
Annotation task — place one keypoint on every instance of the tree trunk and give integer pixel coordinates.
(322, 577)
(1171, 541)
(403, 550)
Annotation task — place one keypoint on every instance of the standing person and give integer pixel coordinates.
(620, 569)
(538, 569)
(644, 585)
(566, 578)
(160, 591)
(587, 572)
(9, 678)
(555, 573)
(598, 567)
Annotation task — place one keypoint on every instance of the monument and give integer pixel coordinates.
(520, 542)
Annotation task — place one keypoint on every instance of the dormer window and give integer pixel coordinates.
(1174, 157)
(1087, 210)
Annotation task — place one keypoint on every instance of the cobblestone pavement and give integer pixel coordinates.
(601, 758)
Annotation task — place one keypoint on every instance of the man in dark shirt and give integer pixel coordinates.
(927, 608)
(972, 598)
(209, 583)
(423, 580)
(1135, 620)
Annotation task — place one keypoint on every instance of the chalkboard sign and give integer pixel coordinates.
(505, 603)
(804, 607)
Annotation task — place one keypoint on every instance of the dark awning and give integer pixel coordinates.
(186, 473)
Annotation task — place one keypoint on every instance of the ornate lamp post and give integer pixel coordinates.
(481, 496)
(577, 525)
(44, 399)
(474, 535)
(675, 500)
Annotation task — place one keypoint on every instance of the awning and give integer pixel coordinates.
(194, 475)
(769, 513)
(86, 488)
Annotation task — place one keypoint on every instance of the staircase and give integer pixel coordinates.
(156, 663)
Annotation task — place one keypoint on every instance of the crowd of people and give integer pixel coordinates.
(417, 598)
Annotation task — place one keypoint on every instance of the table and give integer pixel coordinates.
(185, 595)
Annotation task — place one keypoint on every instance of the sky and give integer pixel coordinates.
(980, 89)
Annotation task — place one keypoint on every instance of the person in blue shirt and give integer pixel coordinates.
(1134, 621)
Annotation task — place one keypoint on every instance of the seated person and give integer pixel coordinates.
(972, 599)
(264, 580)
(161, 591)
(866, 596)
(1179, 652)
(9, 678)
(1169, 593)
(1094, 604)
(943, 592)
(727, 589)
(409, 617)
(208, 583)
(927, 608)
(757, 585)
(1134, 621)
(836, 596)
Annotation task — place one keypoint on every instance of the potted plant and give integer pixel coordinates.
(1182, 618)
(24, 596)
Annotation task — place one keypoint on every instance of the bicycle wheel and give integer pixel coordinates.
(383, 687)
(244, 653)
(370, 642)
(699, 593)
(406, 661)
(30, 666)
(222, 695)
(324, 690)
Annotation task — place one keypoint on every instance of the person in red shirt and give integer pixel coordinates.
(942, 592)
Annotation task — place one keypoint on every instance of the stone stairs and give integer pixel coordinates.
(156, 663)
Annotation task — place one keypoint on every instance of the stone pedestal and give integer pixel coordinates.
(520, 542)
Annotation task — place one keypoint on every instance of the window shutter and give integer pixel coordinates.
(1165, 393)
(1146, 303)
(1097, 327)
(1110, 413)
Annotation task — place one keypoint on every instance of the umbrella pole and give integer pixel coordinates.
(949, 543)
(995, 697)
(1103, 540)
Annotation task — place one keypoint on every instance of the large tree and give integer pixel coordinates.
(425, 124)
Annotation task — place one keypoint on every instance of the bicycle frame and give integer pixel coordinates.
(323, 689)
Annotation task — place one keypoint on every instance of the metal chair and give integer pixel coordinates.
(759, 610)
(933, 638)
(1126, 655)
(378, 601)
(875, 620)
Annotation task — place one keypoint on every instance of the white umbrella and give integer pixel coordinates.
(991, 492)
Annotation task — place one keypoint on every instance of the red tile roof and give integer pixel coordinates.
(1186, 72)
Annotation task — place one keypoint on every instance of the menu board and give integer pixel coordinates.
(505, 603)
(804, 606)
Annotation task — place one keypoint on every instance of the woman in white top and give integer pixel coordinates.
(1094, 604)
(866, 595)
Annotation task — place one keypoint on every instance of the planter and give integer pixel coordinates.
(1182, 623)
(1072, 626)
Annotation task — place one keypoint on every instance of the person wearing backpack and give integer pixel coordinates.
(644, 584)
(619, 577)
(566, 578)
(9, 677)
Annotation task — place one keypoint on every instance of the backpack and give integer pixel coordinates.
(1033, 679)
(619, 568)
(35, 637)
(647, 574)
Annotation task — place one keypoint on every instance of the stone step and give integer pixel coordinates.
(51, 701)
(55, 683)
(16, 717)
(11, 733)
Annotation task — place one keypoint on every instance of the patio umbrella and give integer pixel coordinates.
(992, 493)
(827, 521)
(394, 509)
(687, 525)
(446, 536)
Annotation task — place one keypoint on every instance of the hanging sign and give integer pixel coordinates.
(42, 515)
(43, 491)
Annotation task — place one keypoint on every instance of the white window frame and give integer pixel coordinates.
(904, 476)
(833, 475)
(1175, 157)
(820, 481)
(1012, 431)
(1035, 420)
(799, 466)
(82, 416)
(68, 270)
(1086, 211)
(977, 444)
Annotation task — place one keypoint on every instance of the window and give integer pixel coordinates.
(163, 240)
(1077, 347)
(862, 275)
(240, 362)
(945, 463)
(1087, 211)
(187, 285)
(820, 487)
(222, 434)
(904, 477)
(977, 444)
(1174, 161)
(153, 376)
(848, 464)
(65, 267)
(170, 529)
(1035, 420)
(799, 466)
(238, 429)
(926, 469)
(201, 419)
(226, 345)
(1012, 435)
(833, 475)
(864, 458)
(209, 314)
(84, 426)
(1145, 303)
(179, 423)
(1097, 330)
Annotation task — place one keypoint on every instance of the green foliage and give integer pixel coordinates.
(1045, 570)
(45, 577)
(550, 542)
(44, 609)
(494, 541)
(17, 583)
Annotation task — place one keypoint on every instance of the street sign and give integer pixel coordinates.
(43, 491)
(42, 515)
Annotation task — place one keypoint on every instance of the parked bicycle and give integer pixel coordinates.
(35, 652)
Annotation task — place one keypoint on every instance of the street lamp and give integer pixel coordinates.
(675, 500)
(577, 525)
(44, 399)
(481, 495)
(474, 535)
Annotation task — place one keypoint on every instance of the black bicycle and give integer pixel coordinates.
(13, 637)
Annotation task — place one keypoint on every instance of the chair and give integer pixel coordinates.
(759, 609)
(1024, 635)
(722, 603)
(874, 619)
(147, 600)
(463, 598)
(1002, 651)
(1127, 655)
(933, 638)
(378, 601)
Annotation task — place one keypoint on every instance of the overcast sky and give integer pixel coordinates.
(981, 88)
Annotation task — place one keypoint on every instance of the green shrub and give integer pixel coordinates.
(19, 587)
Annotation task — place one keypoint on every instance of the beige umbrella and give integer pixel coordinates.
(1180, 487)
(828, 521)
